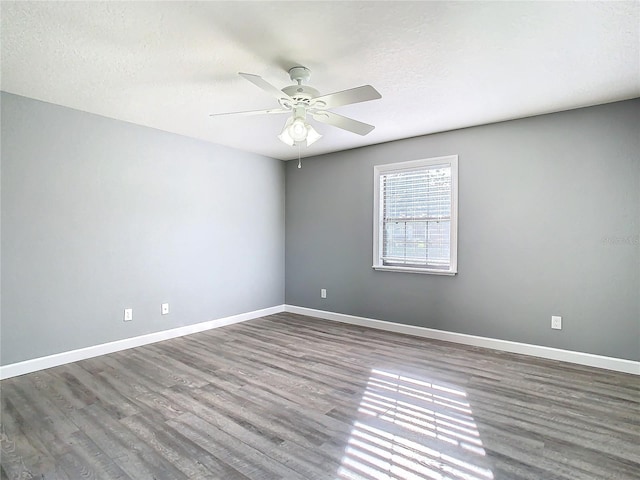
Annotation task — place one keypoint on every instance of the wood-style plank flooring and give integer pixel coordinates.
(298, 398)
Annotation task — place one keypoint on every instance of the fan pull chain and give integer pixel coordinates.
(299, 161)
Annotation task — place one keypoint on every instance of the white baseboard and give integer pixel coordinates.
(599, 361)
(591, 360)
(33, 365)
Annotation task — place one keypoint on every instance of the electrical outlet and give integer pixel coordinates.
(128, 314)
(556, 322)
(323, 293)
(164, 308)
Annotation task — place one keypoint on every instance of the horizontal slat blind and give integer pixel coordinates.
(416, 222)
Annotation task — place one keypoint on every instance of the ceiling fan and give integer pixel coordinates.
(303, 100)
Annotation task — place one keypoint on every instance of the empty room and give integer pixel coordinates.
(320, 240)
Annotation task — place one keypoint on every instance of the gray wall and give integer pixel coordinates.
(99, 215)
(549, 224)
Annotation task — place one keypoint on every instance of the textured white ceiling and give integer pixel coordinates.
(438, 65)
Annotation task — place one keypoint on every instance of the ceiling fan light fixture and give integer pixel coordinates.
(292, 135)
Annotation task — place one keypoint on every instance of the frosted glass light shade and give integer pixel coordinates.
(312, 135)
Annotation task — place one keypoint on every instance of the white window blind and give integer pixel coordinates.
(416, 216)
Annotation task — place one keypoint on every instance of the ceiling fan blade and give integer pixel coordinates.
(346, 97)
(345, 123)
(260, 82)
(251, 112)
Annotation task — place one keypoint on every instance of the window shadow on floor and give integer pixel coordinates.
(412, 427)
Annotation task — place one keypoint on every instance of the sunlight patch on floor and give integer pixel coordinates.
(412, 429)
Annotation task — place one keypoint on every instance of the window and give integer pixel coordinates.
(415, 216)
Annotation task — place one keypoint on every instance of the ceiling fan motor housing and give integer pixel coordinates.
(301, 93)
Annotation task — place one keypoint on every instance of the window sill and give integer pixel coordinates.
(387, 268)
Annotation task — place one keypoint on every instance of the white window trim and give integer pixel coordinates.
(451, 160)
